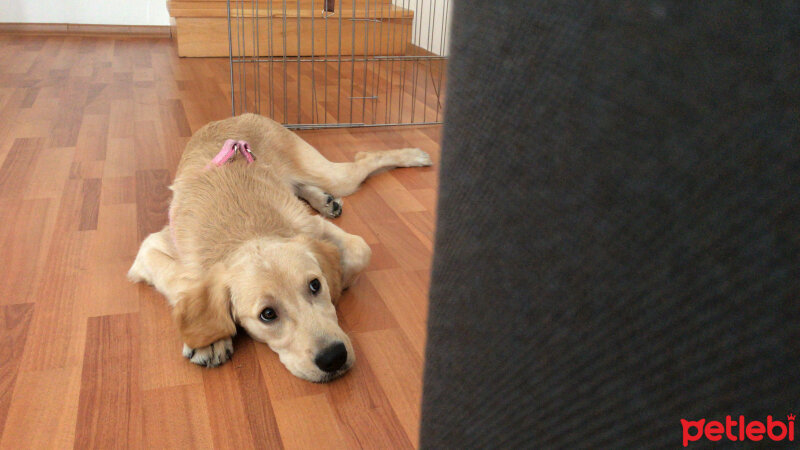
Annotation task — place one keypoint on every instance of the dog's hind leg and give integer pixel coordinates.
(320, 200)
(354, 251)
(342, 179)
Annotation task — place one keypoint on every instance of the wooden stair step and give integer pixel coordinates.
(201, 27)
(202, 8)
(208, 36)
(219, 9)
(293, 3)
(180, 9)
(200, 37)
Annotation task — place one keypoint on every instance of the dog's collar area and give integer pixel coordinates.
(228, 152)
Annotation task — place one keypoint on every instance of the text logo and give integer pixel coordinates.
(738, 430)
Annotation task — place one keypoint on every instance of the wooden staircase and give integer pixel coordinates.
(359, 28)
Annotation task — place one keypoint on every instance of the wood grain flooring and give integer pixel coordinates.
(91, 129)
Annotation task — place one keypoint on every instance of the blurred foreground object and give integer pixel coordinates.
(619, 223)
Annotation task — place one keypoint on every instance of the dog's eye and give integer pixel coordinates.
(314, 285)
(268, 315)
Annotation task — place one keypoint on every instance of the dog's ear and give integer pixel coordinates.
(328, 258)
(203, 312)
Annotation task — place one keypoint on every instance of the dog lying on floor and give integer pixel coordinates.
(241, 248)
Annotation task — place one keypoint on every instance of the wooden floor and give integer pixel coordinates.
(90, 134)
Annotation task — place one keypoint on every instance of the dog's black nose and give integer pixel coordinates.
(332, 358)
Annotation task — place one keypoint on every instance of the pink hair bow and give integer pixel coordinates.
(228, 151)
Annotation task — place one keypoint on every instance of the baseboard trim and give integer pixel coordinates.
(148, 31)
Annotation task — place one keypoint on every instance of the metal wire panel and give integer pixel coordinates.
(339, 64)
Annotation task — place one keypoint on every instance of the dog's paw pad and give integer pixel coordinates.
(211, 356)
(332, 208)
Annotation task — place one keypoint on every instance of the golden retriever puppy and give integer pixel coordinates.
(241, 248)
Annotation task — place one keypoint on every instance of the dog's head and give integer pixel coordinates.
(281, 292)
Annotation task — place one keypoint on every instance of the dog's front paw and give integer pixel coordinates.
(332, 208)
(136, 273)
(355, 258)
(211, 356)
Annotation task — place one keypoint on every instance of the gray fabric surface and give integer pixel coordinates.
(619, 223)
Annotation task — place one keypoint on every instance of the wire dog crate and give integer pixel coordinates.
(318, 64)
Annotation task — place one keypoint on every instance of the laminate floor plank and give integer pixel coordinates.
(14, 322)
(110, 408)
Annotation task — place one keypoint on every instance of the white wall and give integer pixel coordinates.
(154, 12)
(105, 12)
(429, 20)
